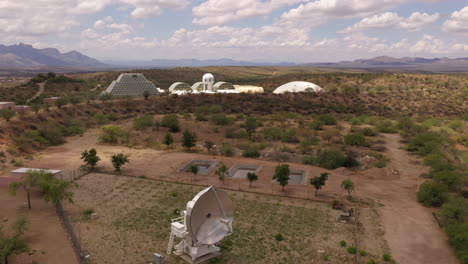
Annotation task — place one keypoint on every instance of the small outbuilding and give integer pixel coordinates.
(249, 89)
(298, 87)
(23, 171)
(7, 105)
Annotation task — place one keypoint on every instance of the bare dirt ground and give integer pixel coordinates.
(46, 237)
(412, 234)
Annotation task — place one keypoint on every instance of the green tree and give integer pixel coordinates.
(319, 182)
(221, 172)
(118, 160)
(60, 102)
(454, 211)
(29, 181)
(168, 139)
(36, 107)
(7, 114)
(209, 145)
(146, 94)
(55, 190)
(13, 243)
(348, 185)
(282, 175)
(189, 139)
(90, 158)
(171, 122)
(250, 126)
(193, 169)
(251, 176)
(432, 193)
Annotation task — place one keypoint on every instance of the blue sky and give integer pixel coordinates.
(255, 30)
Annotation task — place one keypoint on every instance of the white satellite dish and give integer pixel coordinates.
(207, 220)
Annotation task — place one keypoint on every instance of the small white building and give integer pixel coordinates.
(7, 105)
(23, 171)
(249, 89)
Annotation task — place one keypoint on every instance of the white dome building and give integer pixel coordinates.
(298, 87)
(208, 81)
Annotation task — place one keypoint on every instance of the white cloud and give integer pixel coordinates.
(320, 11)
(458, 21)
(149, 8)
(218, 12)
(415, 22)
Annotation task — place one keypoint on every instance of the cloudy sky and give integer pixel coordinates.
(255, 30)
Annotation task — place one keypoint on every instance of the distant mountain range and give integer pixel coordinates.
(24, 56)
(406, 63)
(159, 63)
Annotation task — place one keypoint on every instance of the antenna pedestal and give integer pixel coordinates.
(196, 254)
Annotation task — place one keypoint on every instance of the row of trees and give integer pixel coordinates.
(91, 159)
(281, 175)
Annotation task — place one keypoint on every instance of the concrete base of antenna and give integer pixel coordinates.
(196, 254)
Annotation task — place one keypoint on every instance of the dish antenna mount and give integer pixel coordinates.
(207, 220)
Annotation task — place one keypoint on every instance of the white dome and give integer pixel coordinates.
(208, 78)
(297, 87)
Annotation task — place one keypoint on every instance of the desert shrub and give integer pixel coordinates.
(88, 212)
(316, 124)
(52, 132)
(371, 262)
(368, 132)
(458, 238)
(386, 257)
(438, 162)
(241, 133)
(111, 134)
(306, 144)
(381, 163)
(143, 122)
(75, 127)
(309, 160)
(355, 121)
(279, 237)
(355, 139)
(230, 132)
(352, 250)
(227, 149)
(343, 243)
(452, 179)
(455, 211)
(363, 253)
(432, 193)
(201, 116)
(289, 136)
(171, 122)
(327, 120)
(272, 133)
(455, 124)
(424, 143)
(221, 119)
(330, 159)
(351, 161)
(385, 126)
(251, 151)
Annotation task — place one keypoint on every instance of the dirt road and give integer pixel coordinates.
(41, 90)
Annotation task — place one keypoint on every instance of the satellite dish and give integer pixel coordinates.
(207, 220)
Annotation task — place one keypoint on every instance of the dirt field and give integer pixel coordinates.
(46, 237)
(408, 226)
(133, 217)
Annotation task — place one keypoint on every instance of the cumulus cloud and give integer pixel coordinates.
(218, 12)
(458, 22)
(320, 11)
(415, 22)
(149, 8)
